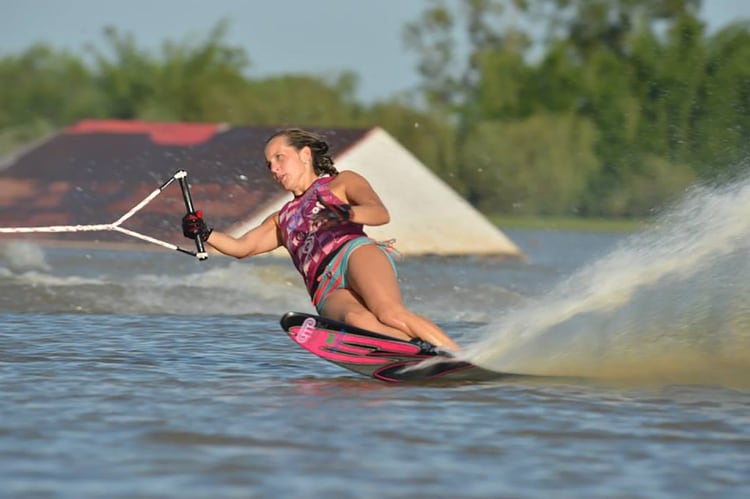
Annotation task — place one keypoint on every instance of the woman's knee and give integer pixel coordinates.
(360, 318)
(394, 316)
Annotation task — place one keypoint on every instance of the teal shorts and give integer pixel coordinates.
(333, 276)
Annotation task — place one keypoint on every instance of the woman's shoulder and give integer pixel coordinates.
(346, 177)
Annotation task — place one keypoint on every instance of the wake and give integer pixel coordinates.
(670, 303)
(34, 279)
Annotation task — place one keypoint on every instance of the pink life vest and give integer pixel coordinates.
(308, 246)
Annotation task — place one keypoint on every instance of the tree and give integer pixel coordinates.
(591, 25)
(301, 100)
(184, 84)
(129, 80)
(197, 81)
(44, 85)
(722, 118)
(449, 79)
(539, 165)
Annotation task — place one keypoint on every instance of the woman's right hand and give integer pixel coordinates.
(193, 226)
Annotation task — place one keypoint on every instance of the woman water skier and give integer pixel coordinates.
(350, 277)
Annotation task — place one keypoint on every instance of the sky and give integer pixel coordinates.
(317, 37)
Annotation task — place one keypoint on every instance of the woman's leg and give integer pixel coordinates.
(373, 283)
(342, 305)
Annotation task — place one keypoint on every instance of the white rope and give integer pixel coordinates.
(57, 228)
(114, 226)
(139, 206)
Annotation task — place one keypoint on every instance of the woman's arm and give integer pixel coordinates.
(354, 189)
(263, 238)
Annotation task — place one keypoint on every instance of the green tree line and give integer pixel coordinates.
(595, 108)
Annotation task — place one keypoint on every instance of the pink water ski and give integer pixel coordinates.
(375, 355)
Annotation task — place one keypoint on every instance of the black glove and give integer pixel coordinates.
(193, 226)
(331, 214)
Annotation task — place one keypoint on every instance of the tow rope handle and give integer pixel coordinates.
(181, 176)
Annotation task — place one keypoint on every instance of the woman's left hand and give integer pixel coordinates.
(330, 215)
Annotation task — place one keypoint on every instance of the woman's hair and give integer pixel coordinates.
(298, 138)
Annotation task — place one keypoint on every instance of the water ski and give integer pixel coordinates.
(375, 355)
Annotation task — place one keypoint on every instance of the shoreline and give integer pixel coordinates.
(578, 224)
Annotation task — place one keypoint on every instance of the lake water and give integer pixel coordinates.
(149, 374)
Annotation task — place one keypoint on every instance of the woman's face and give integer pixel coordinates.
(289, 167)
